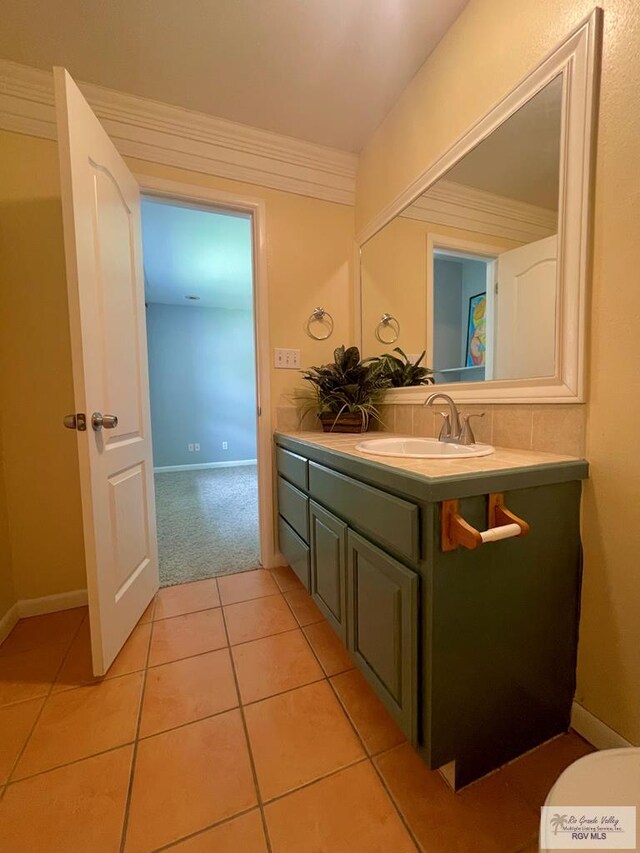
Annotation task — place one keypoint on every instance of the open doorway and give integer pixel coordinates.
(462, 309)
(199, 296)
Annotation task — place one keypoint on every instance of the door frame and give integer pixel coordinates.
(222, 200)
(455, 246)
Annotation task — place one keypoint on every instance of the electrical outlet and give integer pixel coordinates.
(196, 447)
(190, 448)
(289, 359)
(225, 445)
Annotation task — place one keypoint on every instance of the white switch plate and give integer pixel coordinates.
(225, 445)
(287, 358)
(190, 448)
(196, 448)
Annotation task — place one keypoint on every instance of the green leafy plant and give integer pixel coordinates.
(348, 386)
(401, 372)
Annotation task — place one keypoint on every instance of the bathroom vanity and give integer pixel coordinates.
(471, 649)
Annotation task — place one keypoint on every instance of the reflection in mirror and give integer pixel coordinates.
(469, 269)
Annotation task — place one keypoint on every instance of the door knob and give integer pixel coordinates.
(98, 420)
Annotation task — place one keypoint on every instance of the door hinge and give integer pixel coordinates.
(495, 287)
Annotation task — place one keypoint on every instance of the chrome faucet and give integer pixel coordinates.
(455, 427)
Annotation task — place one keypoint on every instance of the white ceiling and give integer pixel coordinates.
(189, 251)
(326, 71)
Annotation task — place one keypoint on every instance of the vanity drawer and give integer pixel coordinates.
(294, 550)
(293, 506)
(388, 520)
(295, 468)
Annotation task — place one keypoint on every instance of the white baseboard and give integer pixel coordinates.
(162, 469)
(8, 621)
(52, 603)
(592, 729)
(38, 606)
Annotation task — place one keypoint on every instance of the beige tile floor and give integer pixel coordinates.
(232, 720)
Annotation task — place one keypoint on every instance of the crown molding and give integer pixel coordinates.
(173, 136)
(460, 206)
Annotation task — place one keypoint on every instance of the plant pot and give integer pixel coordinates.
(342, 423)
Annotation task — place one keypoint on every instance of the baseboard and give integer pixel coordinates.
(51, 603)
(165, 468)
(38, 606)
(592, 729)
(8, 621)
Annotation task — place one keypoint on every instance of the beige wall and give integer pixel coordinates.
(394, 280)
(40, 459)
(468, 78)
(7, 589)
(309, 245)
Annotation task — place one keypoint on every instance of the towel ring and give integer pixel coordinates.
(388, 321)
(319, 315)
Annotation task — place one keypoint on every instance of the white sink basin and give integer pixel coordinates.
(422, 448)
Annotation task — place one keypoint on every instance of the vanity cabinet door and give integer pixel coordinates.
(328, 566)
(382, 603)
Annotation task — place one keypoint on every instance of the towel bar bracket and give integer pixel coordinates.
(455, 531)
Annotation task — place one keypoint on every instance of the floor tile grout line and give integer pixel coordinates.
(45, 698)
(70, 763)
(396, 805)
(134, 756)
(139, 737)
(368, 757)
(342, 702)
(314, 781)
(125, 743)
(204, 829)
(254, 771)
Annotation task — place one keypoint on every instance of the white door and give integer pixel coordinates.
(101, 210)
(525, 311)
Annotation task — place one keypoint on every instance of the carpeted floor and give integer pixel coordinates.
(207, 522)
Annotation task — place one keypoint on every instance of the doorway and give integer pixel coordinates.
(200, 321)
(462, 301)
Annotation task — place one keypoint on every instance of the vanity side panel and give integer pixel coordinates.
(501, 634)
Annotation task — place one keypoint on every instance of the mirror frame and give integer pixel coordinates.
(577, 60)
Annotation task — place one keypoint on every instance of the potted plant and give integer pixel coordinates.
(346, 392)
(401, 372)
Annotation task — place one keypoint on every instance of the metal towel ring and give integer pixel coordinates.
(388, 321)
(319, 315)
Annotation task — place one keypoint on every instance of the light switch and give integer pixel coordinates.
(288, 359)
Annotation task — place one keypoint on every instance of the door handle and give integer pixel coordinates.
(98, 421)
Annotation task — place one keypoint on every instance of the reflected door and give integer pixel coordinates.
(101, 209)
(525, 311)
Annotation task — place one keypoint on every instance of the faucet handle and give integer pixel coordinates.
(445, 429)
(466, 433)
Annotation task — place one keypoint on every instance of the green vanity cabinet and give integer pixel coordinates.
(473, 652)
(329, 567)
(295, 551)
(382, 603)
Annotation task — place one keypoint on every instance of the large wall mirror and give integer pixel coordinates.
(483, 262)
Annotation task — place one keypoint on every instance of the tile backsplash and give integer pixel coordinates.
(554, 428)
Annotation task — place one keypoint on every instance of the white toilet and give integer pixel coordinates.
(610, 777)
